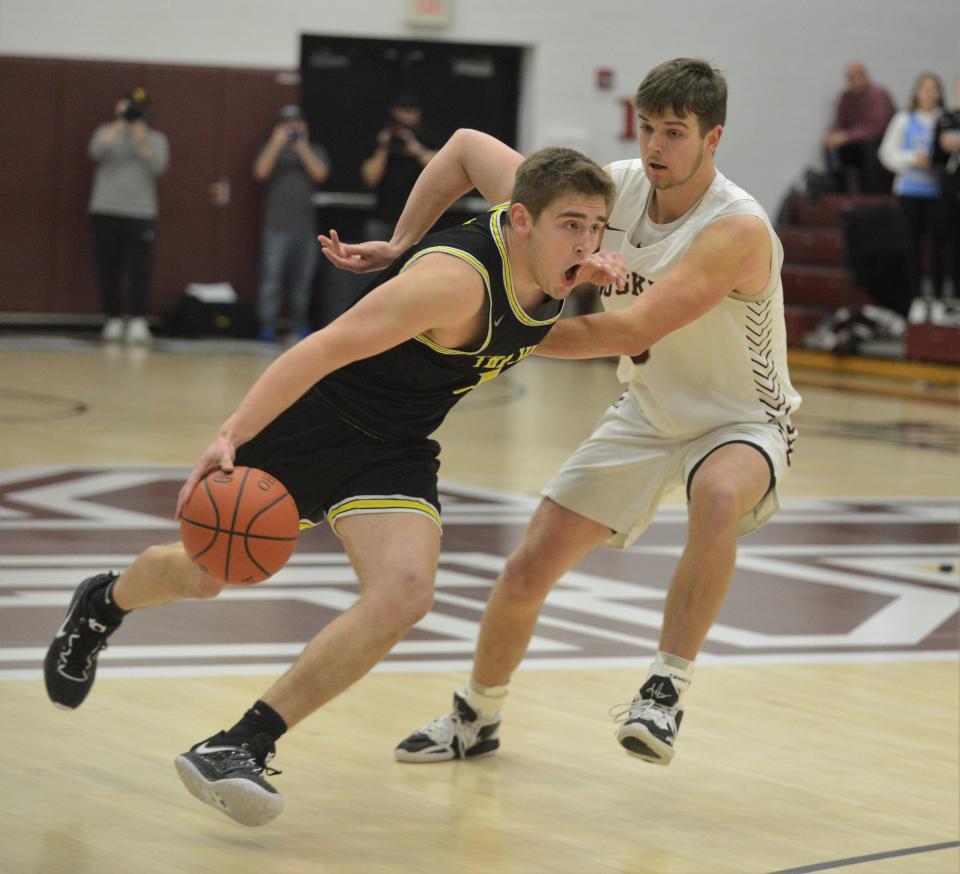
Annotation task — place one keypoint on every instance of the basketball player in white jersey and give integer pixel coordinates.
(697, 319)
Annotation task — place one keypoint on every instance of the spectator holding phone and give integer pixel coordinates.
(290, 165)
(400, 153)
(129, 156)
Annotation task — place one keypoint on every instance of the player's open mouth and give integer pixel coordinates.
(571, 273)
(654, 166)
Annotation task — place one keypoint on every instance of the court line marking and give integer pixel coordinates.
(200, 651)
(809, 505)
(127, 520)
(78, 495)
(873, 857)
(831, 553)
(463, 665)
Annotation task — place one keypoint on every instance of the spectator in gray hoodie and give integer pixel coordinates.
(123, 209)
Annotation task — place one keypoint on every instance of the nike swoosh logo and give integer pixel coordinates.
(497, 322)
(616, 230)
(203, 749)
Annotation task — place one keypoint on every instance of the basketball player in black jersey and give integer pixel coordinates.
(343, 419)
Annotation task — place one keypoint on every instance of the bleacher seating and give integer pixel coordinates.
(816, 280)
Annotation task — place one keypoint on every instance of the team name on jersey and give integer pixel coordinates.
(493, 365)
(635, 285)
(498, 362)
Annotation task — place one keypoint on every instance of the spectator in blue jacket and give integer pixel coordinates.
(905, 151)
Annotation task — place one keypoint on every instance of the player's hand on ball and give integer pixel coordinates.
(357, 257)
(605, 268)
(219, 455)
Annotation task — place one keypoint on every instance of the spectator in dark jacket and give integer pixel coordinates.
(945, 158)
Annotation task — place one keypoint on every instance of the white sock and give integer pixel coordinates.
(485, 700)
(678, 669)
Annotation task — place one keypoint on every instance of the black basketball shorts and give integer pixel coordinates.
(333, 470)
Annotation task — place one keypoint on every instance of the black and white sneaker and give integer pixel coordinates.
(70, 666)
(651, 721)
(229, 776)
(461, 734)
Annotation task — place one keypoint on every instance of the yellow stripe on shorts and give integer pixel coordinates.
(380, 505)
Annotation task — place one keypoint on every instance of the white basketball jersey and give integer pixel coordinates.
(730, 364)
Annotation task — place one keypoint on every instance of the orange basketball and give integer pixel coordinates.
(240, 527)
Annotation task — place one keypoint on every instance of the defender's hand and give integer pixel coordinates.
(604, 268)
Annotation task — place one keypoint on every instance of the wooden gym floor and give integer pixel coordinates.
(821, 732)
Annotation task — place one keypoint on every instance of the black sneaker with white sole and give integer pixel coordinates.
(229, 776)
(652, 721)
(461, 734)
(70, 666)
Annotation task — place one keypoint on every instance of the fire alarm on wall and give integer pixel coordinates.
(604, 79)
(428, 13)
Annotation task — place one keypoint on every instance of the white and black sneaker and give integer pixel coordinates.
(651, 721)
(70, 666)
(229, 776)
(461, 734)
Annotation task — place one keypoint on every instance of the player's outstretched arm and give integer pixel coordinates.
(732, 254)
(439, 291)
(469, 159)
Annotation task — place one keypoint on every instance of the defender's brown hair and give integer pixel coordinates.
(685, 85)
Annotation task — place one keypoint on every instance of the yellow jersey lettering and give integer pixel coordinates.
(493, 365)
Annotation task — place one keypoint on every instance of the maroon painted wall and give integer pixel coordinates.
(216, 119)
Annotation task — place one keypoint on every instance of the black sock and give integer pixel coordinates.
(101, 599)
(259, 719)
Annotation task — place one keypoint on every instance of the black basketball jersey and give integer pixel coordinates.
(408, 390)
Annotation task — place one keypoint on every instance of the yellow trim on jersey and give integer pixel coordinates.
(476, 265)
(381, 505)
(518, 310)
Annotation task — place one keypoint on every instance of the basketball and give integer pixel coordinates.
(240, 527)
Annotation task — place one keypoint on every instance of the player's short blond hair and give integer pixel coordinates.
(553, 171)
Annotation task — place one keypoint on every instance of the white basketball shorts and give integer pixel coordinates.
(619, 475)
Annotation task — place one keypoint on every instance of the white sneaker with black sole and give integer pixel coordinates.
(651, 721)
(461, 734)
(229, 777)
